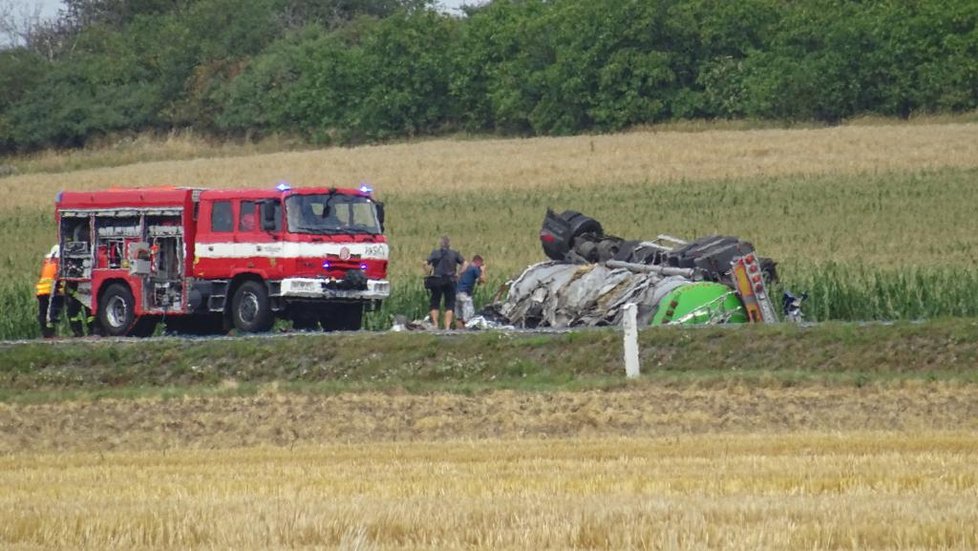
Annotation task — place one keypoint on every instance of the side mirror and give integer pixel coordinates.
(268, 221)
(380, 215)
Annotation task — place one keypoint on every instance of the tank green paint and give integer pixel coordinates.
(700, 303)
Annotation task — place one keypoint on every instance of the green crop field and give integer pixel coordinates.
(875, 222)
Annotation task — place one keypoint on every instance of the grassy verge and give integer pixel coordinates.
(845, 354)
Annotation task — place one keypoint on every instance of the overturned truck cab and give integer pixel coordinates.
(591, 276)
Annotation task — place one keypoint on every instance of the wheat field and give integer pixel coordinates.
(758, 491)
(645, 157)
(884, 466)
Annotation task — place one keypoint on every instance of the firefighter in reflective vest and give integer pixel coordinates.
(51, 299)
(48, 300)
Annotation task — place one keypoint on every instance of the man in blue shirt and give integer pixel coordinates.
(472, 275)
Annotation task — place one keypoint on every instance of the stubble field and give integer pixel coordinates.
(876, 221)
(883, 467)
(800, 491)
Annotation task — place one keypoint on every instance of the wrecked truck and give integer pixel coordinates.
(591, 276)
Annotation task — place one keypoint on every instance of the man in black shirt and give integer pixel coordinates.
(443, 264)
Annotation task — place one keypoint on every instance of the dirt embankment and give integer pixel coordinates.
(284, 419)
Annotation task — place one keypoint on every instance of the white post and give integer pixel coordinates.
(630, 325)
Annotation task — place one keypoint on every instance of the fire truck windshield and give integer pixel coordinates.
(331, 214)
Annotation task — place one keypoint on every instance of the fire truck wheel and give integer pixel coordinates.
(251, 311)
(116, 310)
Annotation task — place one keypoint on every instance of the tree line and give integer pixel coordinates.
(352, 71)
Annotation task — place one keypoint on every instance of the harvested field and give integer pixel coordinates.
(648, 157)
(878, 467)
(286, 419)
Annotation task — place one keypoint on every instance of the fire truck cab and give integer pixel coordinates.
(204, 261)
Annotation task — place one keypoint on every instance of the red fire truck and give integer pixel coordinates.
(204, 261)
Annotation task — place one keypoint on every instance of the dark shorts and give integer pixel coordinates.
(446, 291)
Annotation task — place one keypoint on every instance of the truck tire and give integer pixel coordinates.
(559, 231)
(251, 311)
(580, 224)
(116, 310)
(608, 249)
(769, 269)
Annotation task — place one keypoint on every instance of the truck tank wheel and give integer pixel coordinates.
(581, 224)
(116, 310)
(251, 311)
(769, 269)
(608, 249)
(343, 317)
(559, 232)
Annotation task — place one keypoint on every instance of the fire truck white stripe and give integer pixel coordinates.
(377, 251)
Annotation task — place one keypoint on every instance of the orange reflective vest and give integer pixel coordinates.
(49, 271)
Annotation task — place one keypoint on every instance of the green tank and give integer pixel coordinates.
(700, 303)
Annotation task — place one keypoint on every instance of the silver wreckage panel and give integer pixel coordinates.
(558, 294)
